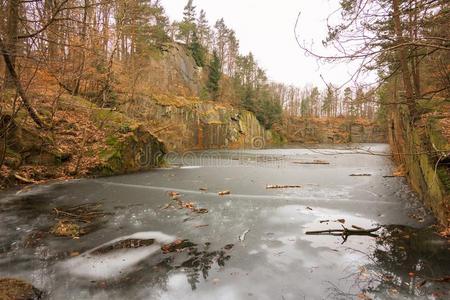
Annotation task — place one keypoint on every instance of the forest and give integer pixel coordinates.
(97, 49)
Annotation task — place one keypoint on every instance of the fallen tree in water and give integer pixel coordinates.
(346, 232)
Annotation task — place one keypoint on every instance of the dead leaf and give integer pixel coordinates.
(174, 195)
(363, 296)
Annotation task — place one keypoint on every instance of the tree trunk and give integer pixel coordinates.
(11, 38)
(51, 32)
(402, 54)
(76, 89)
(15, 81)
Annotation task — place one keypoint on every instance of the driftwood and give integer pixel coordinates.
(357, 175)
(346, 232)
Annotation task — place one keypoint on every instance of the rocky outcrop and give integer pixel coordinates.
(83, 140)
(423, 150)
(136, 150)
(334, 131)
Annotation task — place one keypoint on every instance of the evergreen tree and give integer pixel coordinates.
(348, 101)
(314, 98)
(187, 27)
(327, 105)
(214, 76)
(221, 40)
(359, 101)
(203, 30)
(305, 106)
(197, 50)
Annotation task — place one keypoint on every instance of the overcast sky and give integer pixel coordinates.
(266, 28)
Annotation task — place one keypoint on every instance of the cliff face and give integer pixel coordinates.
(172, 72)
(334, 131)
(423, 150)
(171, 106)
(193, 124)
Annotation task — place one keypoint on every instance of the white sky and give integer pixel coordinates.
(266, 28)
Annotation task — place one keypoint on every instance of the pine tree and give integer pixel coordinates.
(188, 26)
(214, 76)
(221, 40)
(203, 30)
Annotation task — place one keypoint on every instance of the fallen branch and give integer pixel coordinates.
(202, 225)
(282, 186)
(314, 162)
(23, 179)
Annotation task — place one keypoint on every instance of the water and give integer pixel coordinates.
(250, 244)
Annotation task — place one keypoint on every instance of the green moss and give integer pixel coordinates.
(112, 155)
(112, 140)
(444, 176)
(277, 139)
(435, 134)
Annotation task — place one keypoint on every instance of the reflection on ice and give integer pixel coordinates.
(117, 257)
